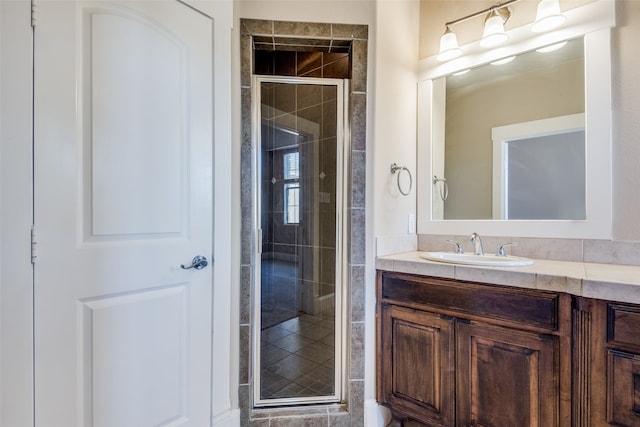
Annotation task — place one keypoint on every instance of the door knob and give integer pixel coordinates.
(198, 262)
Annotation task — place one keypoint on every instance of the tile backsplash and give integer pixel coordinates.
(577, 250)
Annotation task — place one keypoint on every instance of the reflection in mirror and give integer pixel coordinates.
(482, 183)
(299, 271)
(539, 169)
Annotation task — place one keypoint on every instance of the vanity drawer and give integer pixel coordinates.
(522, 306)
(623, 325)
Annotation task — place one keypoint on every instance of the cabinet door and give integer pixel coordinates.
(417, 362)
(506, 377)
(623, 388)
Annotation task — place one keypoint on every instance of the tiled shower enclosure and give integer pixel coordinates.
(316, 50)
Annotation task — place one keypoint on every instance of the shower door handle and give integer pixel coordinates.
(198, 262)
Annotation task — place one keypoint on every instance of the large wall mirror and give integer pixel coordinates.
(520, 148)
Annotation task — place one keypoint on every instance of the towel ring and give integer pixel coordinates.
(444, 188)
(395, 168)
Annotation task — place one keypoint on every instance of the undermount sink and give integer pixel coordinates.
(471, 259)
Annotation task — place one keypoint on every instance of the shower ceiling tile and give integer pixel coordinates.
(309, 64)
(340, 46)
(338, 68)
(301, 44)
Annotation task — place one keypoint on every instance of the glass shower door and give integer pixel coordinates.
(300, 268)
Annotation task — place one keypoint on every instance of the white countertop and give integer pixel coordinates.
(603, 281)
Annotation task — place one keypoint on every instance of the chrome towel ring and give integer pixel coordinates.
(395, 168)
(444, 188)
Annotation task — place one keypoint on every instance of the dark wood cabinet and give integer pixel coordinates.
(623, 388)
(623, 365)
(606, 363)
(455, 353)
(419, 357)
(506, 377)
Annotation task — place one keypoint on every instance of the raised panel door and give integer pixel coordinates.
(506, 377)
(123, 195)
(417, 356)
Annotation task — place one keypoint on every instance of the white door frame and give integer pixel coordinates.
(16, 274)
(16, 278)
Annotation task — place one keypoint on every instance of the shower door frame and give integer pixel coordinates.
(341, 277)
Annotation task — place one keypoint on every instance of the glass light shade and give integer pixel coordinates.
(493, 33)
(548, 16)
(503, 60)
(448, 46)
(460, 73)
(552, 48)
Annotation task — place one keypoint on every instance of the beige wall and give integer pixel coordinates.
(472, 113)
(625, 90)
(394, 121)
(626, 121)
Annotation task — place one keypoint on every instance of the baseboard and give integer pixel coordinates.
(227, 419)
(375, 415)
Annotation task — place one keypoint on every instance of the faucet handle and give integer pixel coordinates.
(458, 247)
(501, 251)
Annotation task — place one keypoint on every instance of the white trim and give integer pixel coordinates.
(501, 135)
(376, 415)
(230, 418)
(598, 122)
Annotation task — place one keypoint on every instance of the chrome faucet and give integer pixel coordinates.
(458, 247)
(476, 241)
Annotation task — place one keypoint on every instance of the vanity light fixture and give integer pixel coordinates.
(494, 33)
(548, 17)
(449, 46)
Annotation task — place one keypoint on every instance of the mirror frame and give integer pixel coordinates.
(592, 21)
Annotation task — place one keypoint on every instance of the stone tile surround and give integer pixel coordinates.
(351, 411)
(602, 269)
(576, 250)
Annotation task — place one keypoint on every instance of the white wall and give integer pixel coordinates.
(626, 125)
(394, 115)
(391, 139)
(330, 11)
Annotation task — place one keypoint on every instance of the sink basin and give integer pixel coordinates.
(471, 259)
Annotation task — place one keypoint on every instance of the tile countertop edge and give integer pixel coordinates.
(613, 282)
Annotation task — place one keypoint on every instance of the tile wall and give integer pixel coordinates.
(576, 250)
(332, 40)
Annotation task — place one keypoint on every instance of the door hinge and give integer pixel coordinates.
(34, 244)
(34, 7)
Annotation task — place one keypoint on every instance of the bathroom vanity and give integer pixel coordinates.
(461, 346)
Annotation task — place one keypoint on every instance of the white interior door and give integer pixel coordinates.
(123, 196)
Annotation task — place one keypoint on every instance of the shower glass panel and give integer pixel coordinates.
(299, 153)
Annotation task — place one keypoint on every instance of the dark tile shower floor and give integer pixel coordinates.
(297, 358)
